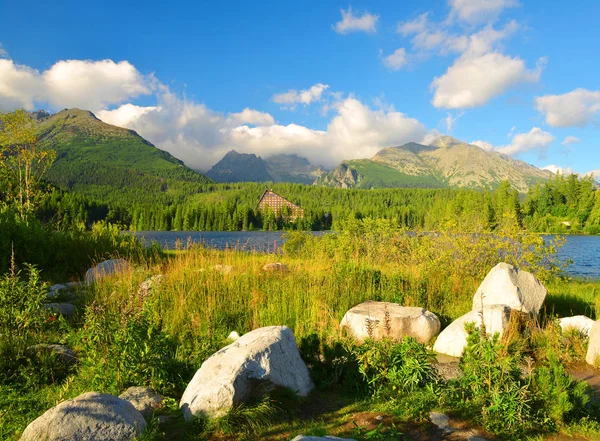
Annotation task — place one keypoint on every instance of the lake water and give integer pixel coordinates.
(583, 250)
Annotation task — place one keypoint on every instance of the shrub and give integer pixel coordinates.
(391, 369)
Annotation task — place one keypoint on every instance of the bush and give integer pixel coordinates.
(393, 369)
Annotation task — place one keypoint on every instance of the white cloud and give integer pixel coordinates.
(200, 136)
(536, 138)
(558, 169)
(250, 116)
(123, 115)
(473, 80)
(72, 83)
(479, 11)
(484, 145)
(594, 174)
(396, 60)
(354, 23)
(20, 86)
(3, 53)
(571, 140)
(307, 96)
(573, 109)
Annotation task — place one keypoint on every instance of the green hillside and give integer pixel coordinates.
(99, 159)
(445, 163)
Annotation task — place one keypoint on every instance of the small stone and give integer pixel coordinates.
(105, 269)
(318, 438)
(441, 421)
(144, 399)
(225, 269)
(65, 353)
(64, 309)
(233, 336)
(276, 267)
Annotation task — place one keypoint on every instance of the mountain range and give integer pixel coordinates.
(99, 158)
(447, 162)
(247, 167)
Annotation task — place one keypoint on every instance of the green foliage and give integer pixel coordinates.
(128, 349)
(380, 433)
(493, 390)
(395, 369)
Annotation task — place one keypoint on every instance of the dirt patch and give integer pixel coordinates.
(585, 372)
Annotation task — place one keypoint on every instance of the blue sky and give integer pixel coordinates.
(326, 80)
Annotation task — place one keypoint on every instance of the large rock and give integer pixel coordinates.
(507, 285)
(453, 340)
(264, 357)
(144, 399)
(370, 318)
(88, 417)
(105, 269)
(580, 323)
(593, 353)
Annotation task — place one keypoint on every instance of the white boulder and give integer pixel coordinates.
(105, 269)
(507, 285)
(88, 417)
(369, 319)
(453, 340)
(581, 323)
(593, 353)
(265, 356)
(144, 399)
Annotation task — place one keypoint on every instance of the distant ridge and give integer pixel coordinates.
(447, 162)
(247, 167)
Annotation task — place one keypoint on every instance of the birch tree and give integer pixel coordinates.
(22, 161)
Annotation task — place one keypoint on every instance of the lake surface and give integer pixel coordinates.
(583, 250)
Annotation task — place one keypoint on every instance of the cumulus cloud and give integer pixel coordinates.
(573, 109)
(558, 169)
(571, 140)
(484, 145)
(473, 80)
(252, 117)
(307, 96)
(479, 11)
(3, 52)
(397, 60)
(356, 23)
(536, 138)
(20, 86)
(72, 83)
(200, 136)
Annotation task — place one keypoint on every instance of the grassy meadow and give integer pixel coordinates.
(126, 337)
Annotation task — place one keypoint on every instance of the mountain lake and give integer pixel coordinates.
(584, 251)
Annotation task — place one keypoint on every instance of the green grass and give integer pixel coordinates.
(122, 339)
